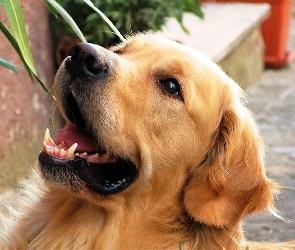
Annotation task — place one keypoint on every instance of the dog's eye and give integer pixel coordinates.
(171, 86)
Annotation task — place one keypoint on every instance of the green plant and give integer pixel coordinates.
(128, 16)
(18, 39)
(56, 8)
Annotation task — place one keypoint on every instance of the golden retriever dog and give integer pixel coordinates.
(159, 152)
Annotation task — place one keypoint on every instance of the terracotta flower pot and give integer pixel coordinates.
(275, 30)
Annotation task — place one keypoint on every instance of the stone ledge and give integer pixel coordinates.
(228, 35)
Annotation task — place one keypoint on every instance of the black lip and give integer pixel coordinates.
(105, 179)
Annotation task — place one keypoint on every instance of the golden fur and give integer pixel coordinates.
(200, 162)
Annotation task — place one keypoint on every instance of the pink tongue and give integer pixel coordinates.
(70, 135)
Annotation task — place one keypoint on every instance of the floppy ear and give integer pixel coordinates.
(231, 181)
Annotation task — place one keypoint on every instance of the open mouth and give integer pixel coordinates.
(75, 156)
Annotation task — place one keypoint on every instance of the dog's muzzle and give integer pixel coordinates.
(86, 68)
(75, 158)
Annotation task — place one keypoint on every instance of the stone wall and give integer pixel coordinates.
(25, 108)
(245, 63)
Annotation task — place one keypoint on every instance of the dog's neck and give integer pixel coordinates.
(116, 227)
(124, 226)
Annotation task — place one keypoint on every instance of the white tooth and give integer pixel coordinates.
(47, 137)
(71, 150)
(95, 155)
(62, 153)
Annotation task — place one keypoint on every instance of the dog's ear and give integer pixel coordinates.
(231, 181)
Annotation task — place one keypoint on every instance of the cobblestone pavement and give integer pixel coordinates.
(273, 104)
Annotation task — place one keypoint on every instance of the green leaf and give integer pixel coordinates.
(43, 86)
(52, 9)
(108, 21)
(53, 4)
(7, 64)
(16, 20)
(14, 43)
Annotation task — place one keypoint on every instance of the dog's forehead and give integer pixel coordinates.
(167, 49)
(164, 57)
(163, 52)
(153, 42)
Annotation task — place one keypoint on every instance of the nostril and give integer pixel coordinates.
(84, 61)
(93, 65)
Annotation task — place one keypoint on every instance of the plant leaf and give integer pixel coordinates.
(108, 21)
(43, 86)
(22, 35)
(16, 20)
(14, 43)
(51, 8)
(53, 4)
(7, 65)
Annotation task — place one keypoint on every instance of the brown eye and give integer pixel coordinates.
(171, 86)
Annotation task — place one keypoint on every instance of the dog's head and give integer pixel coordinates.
(154, 119)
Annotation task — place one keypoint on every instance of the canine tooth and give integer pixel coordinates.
(71, 150)
(47, 137)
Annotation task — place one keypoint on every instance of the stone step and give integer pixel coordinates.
(229, 34)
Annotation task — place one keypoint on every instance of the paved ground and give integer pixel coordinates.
(273, 103)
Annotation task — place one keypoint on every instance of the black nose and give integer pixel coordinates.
(85, 61)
